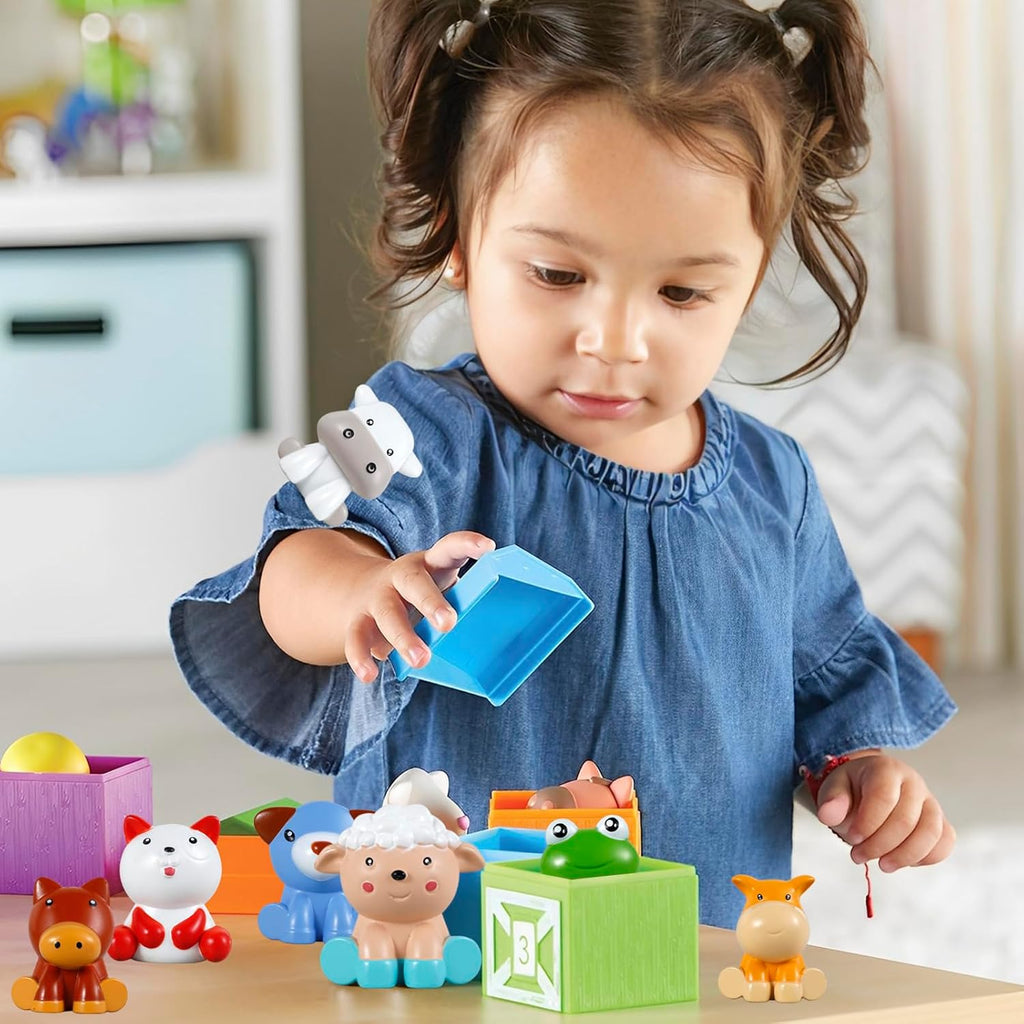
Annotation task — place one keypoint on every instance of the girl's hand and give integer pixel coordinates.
(389, 589)
(884, 810)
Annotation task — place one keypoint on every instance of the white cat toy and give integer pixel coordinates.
(169, 872)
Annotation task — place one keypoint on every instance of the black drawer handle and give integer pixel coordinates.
(70, 326)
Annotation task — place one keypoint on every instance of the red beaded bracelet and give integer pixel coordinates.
(814, 781)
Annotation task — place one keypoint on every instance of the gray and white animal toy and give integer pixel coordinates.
(358, 450)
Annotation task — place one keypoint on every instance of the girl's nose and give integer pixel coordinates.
(613, 336)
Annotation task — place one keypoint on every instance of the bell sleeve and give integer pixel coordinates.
(857, 683)
(323, 718)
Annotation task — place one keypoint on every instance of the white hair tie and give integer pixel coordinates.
(797, 40)
(457, 36)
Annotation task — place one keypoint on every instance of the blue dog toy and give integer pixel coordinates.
(313, 907)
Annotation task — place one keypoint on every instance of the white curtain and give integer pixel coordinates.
(954, 87)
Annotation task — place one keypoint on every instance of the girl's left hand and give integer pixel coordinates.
(884, 810)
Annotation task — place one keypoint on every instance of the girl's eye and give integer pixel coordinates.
(682, 296)
(555, 278)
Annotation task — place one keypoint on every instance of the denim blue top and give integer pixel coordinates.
(728, 642)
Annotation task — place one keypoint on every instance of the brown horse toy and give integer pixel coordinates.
(70, 927)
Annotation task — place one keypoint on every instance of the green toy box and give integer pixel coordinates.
(576, 945)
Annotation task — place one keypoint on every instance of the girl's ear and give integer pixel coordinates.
(455, 271)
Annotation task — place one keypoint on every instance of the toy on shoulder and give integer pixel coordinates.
(588, 789)
(429, 789)
(772, 931)
(399, 868)
(574, 852)
(312, 907)
(358, 450)
(69, 927)
(169, 872)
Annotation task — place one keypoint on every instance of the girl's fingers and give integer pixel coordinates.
(392, 618)
(921, 841)
(417, 587)
(943, 848)
(357, 651)
(362, 644)
(379, 647)
(904, 814)
(414, 581)
(452, 552)
(879, 792)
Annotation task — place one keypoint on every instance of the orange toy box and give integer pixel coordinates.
(508, 810)
(249, 880)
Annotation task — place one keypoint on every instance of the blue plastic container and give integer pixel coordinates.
(496, 844)
(120, 358)
(513, 610)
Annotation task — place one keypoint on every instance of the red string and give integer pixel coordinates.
(814, 784)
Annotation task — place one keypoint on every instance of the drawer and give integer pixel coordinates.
(119, 358)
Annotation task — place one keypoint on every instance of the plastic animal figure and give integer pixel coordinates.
(416, 786)
(588, 789)
(358, 450)
(312, 907)
(69, 927)
(400, 869)
(169, 872)
(574, 852)
(772, 931)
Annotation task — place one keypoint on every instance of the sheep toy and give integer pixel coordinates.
(399, 868)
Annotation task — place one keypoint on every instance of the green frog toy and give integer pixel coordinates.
(574, 852)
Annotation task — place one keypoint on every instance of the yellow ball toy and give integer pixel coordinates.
(44, 752)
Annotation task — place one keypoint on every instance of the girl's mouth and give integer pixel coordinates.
(600, 407)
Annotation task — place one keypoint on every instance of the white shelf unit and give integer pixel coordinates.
(90, 563)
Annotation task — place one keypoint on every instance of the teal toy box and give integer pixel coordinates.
(495, 844)
(576, 945)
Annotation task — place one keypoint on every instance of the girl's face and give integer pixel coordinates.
(605, 281)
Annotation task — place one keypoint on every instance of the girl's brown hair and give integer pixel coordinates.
(733, 84)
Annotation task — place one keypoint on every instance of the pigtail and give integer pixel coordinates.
(421, 102)
(829, 71)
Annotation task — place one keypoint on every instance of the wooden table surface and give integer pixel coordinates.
(270, 981)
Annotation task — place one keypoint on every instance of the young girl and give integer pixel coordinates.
(606, 180)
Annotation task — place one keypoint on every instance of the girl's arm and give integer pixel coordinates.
(308, 591)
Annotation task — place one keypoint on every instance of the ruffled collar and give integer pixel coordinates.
(642, 485)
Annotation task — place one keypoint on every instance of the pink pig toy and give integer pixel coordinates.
(169, 872)
(588, 789)
(399, 869)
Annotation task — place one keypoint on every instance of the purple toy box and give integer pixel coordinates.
(70, 827)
